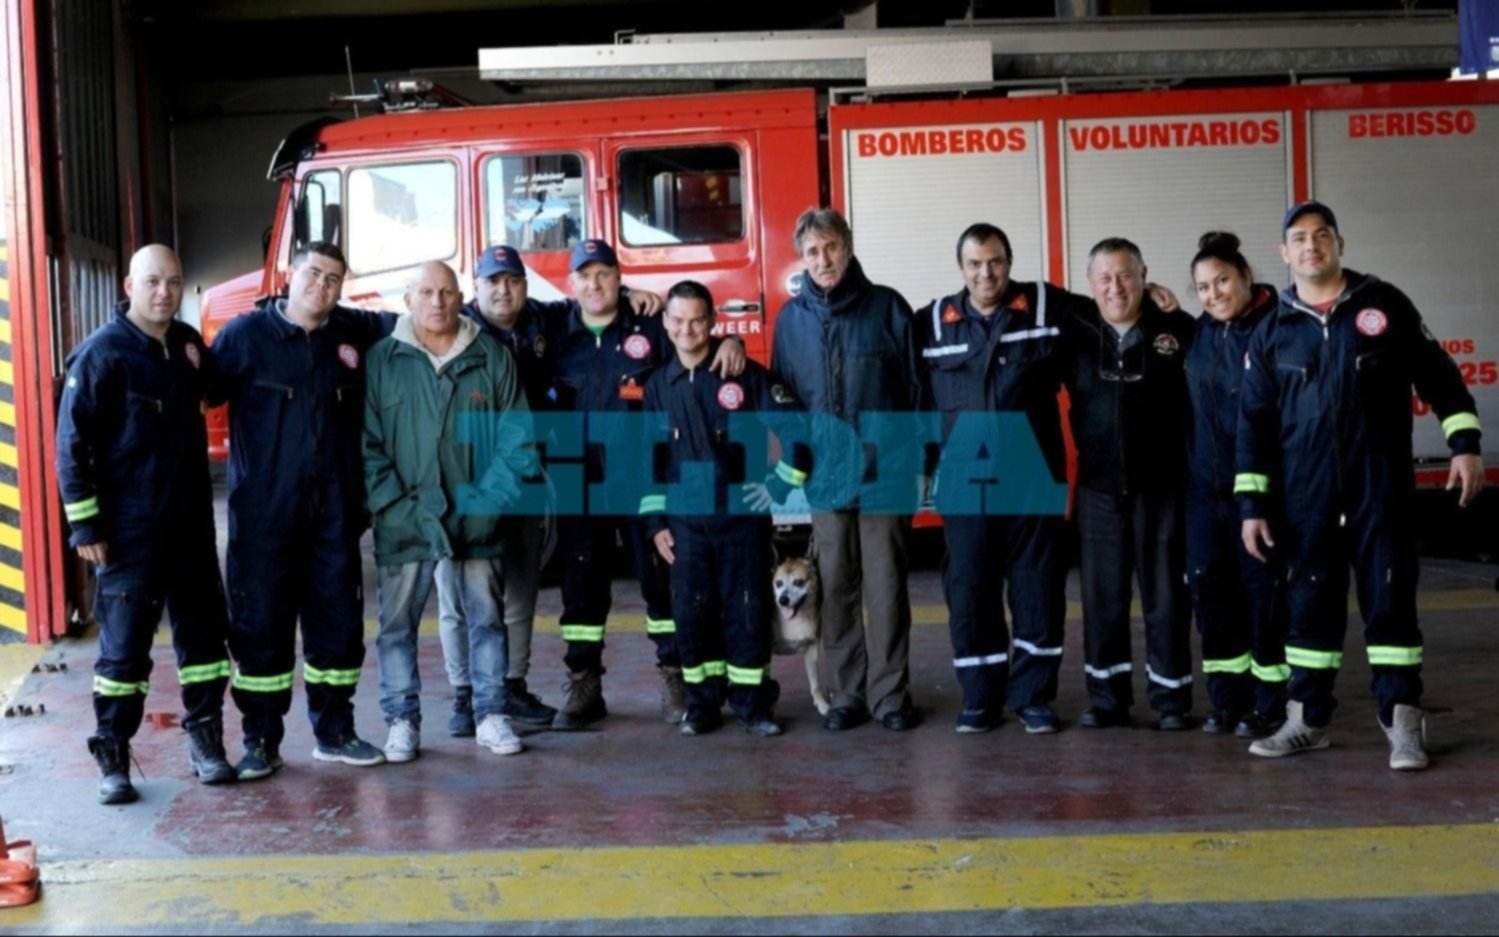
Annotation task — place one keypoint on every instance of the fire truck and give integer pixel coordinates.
(708, 187)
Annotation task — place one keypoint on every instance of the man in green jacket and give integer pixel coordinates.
(446, 444)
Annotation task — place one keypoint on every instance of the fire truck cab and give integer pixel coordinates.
(701, 187)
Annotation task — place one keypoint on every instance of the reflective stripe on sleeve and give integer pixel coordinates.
(82, 510)
(790, 475)
(1249, 483)
(1458, 422)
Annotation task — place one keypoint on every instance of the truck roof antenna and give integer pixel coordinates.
(349, 64)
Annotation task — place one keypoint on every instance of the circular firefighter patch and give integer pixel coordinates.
(731, 396)
(1167, 345)
(1372, 322)
(349, 355)
(638, 347)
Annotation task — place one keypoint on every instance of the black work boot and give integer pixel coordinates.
(114, 764)
(522, 706)
(585, 702)
(205, 753)
(461, 723)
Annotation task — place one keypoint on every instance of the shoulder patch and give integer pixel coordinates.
(1166, 344)
(1019, 303)
(951, 315)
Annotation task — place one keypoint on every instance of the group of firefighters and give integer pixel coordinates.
(1235, 464)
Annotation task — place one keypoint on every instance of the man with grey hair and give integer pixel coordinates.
(844, 347)
(1129, 420)
(446, 444)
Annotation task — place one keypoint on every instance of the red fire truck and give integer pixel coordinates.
(708, 187)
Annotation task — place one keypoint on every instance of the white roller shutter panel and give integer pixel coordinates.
(1164, 181)
(1419, 207)
(907, 209)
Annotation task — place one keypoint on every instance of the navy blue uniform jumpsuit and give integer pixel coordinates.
(721, 577)
(1325, 422)
(1012, 534)
(132, 464)
(296, 513)
(599, 377)
(1239, 601)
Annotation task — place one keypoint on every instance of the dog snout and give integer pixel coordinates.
(784, 600)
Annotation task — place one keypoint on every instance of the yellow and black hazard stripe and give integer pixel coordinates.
(12, 579)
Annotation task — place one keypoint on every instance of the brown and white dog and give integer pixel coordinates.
(799, 624)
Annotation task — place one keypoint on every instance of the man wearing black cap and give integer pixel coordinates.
(504, 310)
(1325, 426)
(601, 357)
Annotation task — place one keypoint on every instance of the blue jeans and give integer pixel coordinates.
(403, 592)
(524, 543)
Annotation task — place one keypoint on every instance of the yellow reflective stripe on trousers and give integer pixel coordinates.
(203, 673)
(279, 683)
(1239, 664)
(1388, 656)
(703, 671)
(591, 633)
(1273, 673)
(1313, 660)
(653, 504)
(81, 510)
(1458, 422)
(107, 687)
(660, 625)
(1250, 483)
(790, 476)
(330, 677)
(746, 676)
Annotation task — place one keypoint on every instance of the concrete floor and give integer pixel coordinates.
(636, 829)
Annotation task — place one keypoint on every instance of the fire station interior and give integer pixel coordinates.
(133, 122)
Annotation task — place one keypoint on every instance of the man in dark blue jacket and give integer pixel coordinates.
(293, 375)
(715, 537)
(132, 466)
(992, 365)
(602, 356)
(1326, 421)
(845, 347)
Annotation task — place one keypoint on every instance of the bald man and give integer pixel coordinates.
(446, 445)
(132, 463)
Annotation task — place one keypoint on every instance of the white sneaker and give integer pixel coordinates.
(1407, 739)
(496, 735)
(1293, 738)
(404, 741)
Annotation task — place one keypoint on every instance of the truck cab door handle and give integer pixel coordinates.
(739, 305)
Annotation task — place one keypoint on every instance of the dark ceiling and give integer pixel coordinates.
(215, 40)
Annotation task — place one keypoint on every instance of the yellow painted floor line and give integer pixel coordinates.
(634, 622)
(755, 881)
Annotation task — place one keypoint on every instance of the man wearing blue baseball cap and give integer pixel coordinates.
(602, 354)
(504, 310)
(1325, 430)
